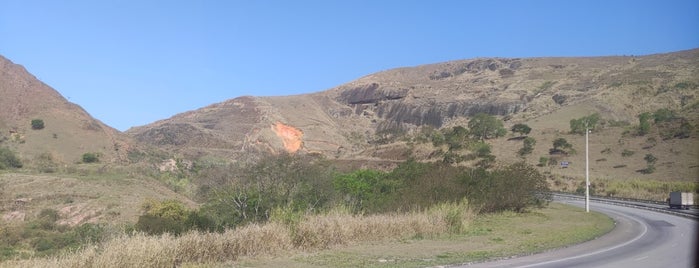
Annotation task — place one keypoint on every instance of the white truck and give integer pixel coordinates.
(681, 200)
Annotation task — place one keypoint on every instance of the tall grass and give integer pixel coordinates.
(643, 189)
(311, 232)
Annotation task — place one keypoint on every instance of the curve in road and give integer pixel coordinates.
(640, 239)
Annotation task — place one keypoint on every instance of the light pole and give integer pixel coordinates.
(587, 172)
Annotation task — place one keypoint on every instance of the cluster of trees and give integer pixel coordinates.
(308, 184)
(670, 125)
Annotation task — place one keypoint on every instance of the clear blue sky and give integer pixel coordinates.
(130, 63)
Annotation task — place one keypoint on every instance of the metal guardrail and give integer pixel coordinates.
(640, 204)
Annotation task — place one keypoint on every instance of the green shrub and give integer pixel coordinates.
(514, 187)
(484, 126)
(156, 225)
(663, 115)
(90, 158)
(8, 159)
(644, 123)
(171, 216)
(522, 129)
(578, 126)
(527, 146)
(37, 124)
(561, 145)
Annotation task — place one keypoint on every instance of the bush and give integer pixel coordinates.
(484, 126)
(91, 158)
(578, 126)
(522, 129)
(527, 146)
(171, 216)
(8, 159)
(663, 115)
(561, 145)
(37, 124)
(514, 187)
(156, 225)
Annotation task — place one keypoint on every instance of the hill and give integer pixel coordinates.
(67, 130)
(373, 120)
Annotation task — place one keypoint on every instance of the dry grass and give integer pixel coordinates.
(312, 233)
(340, 228)
(111, 198)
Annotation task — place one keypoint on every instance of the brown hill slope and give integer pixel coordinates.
(69, 130)
(361, 119)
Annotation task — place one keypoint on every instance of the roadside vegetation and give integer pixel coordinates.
(277, 205)
(281, 203)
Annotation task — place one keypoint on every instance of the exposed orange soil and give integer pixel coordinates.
(292, 137)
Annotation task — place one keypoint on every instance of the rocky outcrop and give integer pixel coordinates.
(436, 114)
(371, 93)
(180, 134)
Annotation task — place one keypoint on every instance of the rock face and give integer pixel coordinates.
(344, 121)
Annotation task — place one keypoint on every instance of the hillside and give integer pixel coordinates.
(370, 119)
(68, 131)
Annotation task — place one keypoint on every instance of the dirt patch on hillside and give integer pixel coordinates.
(291, 137)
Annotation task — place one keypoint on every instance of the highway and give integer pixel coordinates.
(641, 238)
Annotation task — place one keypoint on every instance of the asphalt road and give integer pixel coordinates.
(641, 238)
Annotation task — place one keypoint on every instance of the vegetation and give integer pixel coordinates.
(484, 126)
(527, 146)
(522, 129)
(663, 115)
(8, 159)
(44, 236)
(91, 158)
(578, 126)
(650, 164)
(490, 236)
(644, 123)
(561, 145)
(299, 185)
(37, 124)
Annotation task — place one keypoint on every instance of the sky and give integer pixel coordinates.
(133, 62)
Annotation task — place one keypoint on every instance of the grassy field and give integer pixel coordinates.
(486, 237)
(445, 234)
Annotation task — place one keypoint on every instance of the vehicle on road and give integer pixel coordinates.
(681, 200)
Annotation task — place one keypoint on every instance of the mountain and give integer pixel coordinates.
(366, 118)
(68, 130)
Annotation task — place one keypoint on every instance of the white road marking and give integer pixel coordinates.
(645, 230)
(641, 258)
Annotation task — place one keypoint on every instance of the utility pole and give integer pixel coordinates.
(587, 172)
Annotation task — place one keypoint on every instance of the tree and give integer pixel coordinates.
(644, 123)
(514, 187)
(364, 189)
(561, 145)
(37, 124)
(484, 126)
(578, 126)
(522, 129)
(527, 147)
(650, 161)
